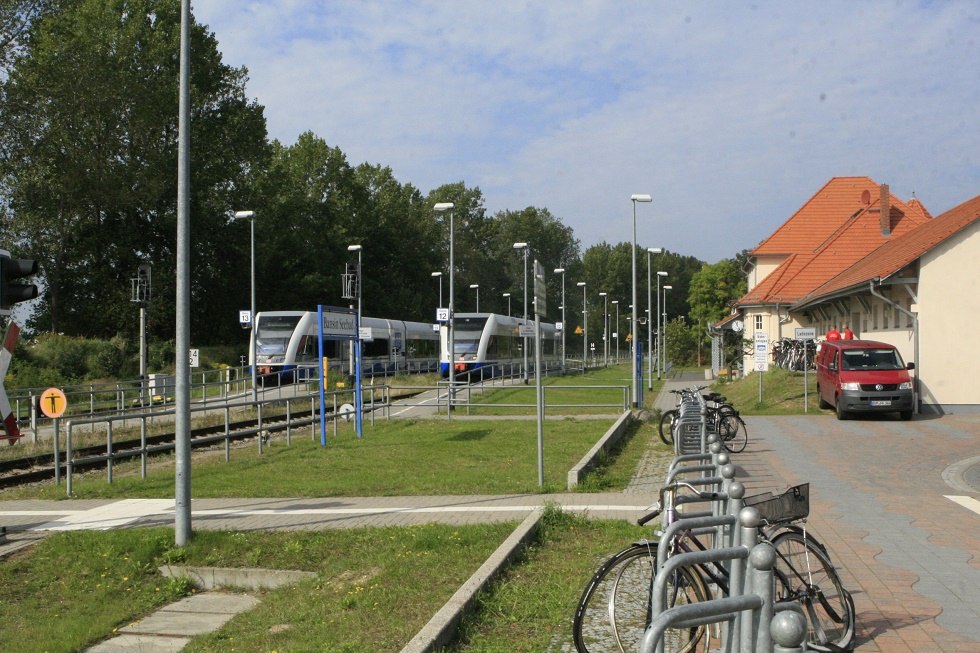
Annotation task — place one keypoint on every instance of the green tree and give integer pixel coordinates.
(88, 118)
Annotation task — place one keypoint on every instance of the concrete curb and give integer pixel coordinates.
(209, 578)
(605, 443)
(441, 629)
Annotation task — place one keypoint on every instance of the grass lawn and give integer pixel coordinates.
(374, 589)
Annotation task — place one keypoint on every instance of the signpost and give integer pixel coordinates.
(53, 404)
(804, 334)
(540, 309)
(761, 356)
(336, 323)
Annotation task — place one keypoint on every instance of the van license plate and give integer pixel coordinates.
(881, 402)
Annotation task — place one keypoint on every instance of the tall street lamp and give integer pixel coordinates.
(636, 389)
(663, 326)
(525, 248)
(476, 286)
(605, 328)
(585, 326)
(651, 250)
(439, 208)
(250, 216)
(660, 273)
(439, 274)
(507, 295)
(615, 330)
(564, 325)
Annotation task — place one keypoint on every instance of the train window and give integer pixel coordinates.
(375, 348)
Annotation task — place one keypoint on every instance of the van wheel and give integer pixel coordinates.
(820, 400)
(906, 415)
(841, 413)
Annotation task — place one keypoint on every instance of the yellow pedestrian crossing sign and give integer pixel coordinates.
(578, 330)
(53, 402)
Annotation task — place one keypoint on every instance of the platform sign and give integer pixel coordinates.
(337, 324)
(194, 355)
(442, 315)
(245, 317)
(53, 403)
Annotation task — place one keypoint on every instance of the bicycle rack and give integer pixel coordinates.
(751, 619)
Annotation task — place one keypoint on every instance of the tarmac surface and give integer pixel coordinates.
(897, 503)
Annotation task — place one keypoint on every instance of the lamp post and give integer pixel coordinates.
(439, 208)
(615, 330)
(636, 389)
(524, 247)
(250, 216)
(663, 326)
(507, 295)
(660, 273)
(605, 328)
(651, 250)
(476, 286)
(564, 325)
(585, 327)
(439, 274)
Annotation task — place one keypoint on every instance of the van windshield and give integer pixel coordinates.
(871, 359)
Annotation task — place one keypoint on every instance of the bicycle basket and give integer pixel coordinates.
(791, 505)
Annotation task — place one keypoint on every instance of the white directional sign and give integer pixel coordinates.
(761, 351)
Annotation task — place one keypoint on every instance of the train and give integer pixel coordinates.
(487, 345)
(286, 347)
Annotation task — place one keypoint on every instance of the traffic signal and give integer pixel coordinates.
(11, 271)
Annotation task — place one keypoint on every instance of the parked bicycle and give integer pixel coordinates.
(616, 606)
(723, 419)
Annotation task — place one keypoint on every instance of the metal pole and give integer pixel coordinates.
(255, 331)
(564, 324)
(659, 334)
(585, 327)
(635, 363)
(649, 325)
(448, 206)
(526, 372)
(182, 422)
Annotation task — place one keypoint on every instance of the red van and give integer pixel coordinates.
(863, 376)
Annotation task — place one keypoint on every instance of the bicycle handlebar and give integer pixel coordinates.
(672, 487)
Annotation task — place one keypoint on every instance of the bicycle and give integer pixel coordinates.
(723, 419)
(616, 605)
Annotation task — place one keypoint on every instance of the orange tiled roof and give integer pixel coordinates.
(831, 232)
(894, 255)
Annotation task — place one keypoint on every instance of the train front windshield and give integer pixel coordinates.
(274, 333)
(467, 334)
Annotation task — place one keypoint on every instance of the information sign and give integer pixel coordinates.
(761, 351)
(442, 315)
(339, 324)
(245, 317)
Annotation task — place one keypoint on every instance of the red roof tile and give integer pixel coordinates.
(894, 255)
(835, 229)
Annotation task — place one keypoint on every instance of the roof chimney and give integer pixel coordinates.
(885, 214)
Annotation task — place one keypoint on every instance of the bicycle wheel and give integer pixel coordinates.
(614, 610)
(667, 421)
(734, 435)
(804, 573)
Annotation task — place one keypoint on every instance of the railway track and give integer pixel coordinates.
(41, 467)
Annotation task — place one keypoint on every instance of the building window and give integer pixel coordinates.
(758, 323)
(874, 316)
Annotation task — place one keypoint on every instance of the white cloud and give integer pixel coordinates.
(730, 115)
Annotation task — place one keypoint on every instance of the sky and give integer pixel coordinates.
(731, 115)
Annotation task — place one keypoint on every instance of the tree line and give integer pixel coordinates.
(88, 186)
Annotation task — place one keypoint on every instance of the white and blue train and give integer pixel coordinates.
(488, 344)
(287, 347)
